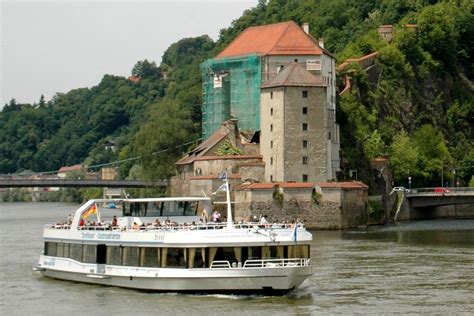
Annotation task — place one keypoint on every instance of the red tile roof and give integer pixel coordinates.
(228, 157)
(216, 176)
(294, 75)
(360, 61)
(252, 164)
(203, 148)
(256, 186)
(271, 185)
(296, 185)
(343, 185)
(133, 79)
(286, 38)
(70, 168)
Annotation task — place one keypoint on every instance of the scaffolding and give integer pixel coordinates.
(231, 89)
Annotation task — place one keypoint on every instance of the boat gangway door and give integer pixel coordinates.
(101, 258)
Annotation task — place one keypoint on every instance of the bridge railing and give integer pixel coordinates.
(12, 183)
(442, 190)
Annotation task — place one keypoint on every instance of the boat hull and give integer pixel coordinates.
(268, 279)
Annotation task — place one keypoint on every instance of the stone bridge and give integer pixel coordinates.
(428, 203)
(35, 183)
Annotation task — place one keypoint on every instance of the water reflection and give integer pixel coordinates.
(457, 233)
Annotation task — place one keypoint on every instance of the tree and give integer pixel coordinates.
(145, 69)
(227, 149)
(42, 102)
(373, 145)
(160, 141)
(403, 158)
(466, 167)
(434, 156)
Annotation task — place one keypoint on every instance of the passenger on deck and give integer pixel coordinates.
(135, 226)
(216, 216)
(157, 222)
(204, 216)
(114, 221)
(263, 220)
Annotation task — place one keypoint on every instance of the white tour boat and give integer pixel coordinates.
(180, 253)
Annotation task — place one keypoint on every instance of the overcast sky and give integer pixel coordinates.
(56, 46)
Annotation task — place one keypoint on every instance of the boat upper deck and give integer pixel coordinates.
(176, 226)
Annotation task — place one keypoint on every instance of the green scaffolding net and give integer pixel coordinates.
(231, 88)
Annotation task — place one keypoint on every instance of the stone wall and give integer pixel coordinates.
(465, 211)
(252, 172)
(215, 165)
(251, 149)
(316, 153)
(354, 208)
(337, 209)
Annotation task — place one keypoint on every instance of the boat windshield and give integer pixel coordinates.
(160, 208)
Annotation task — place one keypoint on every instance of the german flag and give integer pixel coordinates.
(90, 211)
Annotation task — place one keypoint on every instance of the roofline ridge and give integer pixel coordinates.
(282, 34)
(293, 66)
(252, 27)
(235, 39)
(324, 50)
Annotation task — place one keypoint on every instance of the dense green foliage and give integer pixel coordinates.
(419, 109)
(227, 149)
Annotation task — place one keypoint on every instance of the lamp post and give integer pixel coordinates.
(454, 178)
(442, 175)
(409, 183)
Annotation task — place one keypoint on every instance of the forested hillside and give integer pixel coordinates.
(419, 109)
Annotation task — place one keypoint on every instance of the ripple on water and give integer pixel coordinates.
(419, 267)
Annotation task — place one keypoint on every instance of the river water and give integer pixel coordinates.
(420, 267)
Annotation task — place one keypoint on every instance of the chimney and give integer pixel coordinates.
(306, 28)
(321, 42)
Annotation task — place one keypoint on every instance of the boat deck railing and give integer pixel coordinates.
(262, 263)
(177, 227)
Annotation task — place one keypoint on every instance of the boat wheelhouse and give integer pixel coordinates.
(165, 244)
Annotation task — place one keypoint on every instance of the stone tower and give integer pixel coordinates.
(299, 138)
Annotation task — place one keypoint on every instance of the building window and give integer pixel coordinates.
(271, 144)
(296, 60)
(305, 160)
(279, 68)
(305, 178)
(271, 111)
(305, 94)
(329, 135)
(271, 95)
(271, 178)
(305, 126)
(305, 110)
(305, 144)
(271, 127)
(271, 160)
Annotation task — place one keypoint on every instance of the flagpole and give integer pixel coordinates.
(98, 212)
(230, 223)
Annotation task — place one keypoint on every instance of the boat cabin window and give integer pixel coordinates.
(130, 256)
(155, 257)
(89, 253)
(161, 208)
